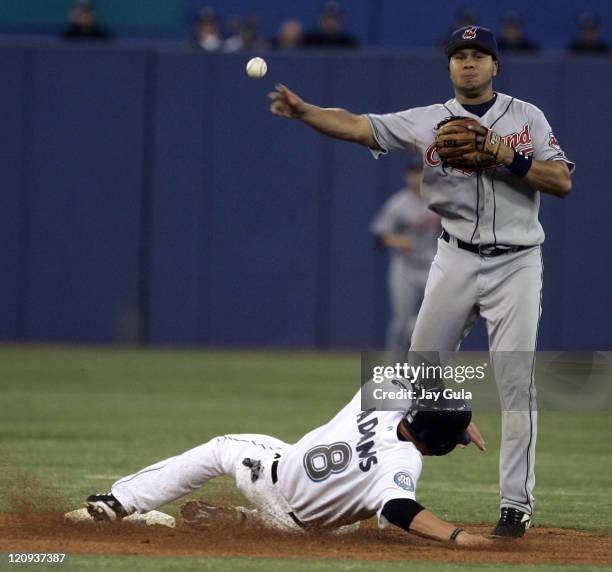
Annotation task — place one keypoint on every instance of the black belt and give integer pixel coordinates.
(484, 249)
(274, 475)
(274, 471)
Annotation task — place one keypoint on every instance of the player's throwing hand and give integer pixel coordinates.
(286, 103)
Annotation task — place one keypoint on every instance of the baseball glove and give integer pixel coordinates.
(463, 142)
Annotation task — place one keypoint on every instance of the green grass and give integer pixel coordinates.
(77, 419)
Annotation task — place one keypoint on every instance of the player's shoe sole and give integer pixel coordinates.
(104, 507)
(512, 523)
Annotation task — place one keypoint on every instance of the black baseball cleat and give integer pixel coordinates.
(104, 506)
(512, 523)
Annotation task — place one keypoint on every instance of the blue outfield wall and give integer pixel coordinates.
(149, 195)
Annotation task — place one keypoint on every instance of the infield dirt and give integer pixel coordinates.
(48, 533)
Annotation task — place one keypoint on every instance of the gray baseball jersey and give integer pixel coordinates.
(488, 207)
(406, 214)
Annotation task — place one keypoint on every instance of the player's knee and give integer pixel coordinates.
(518, 395)
(516, 425)
(213, 449)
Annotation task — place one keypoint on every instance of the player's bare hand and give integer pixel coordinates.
(401, 243)
(476, 437)
(285, 103)
(467, 540)
(406, 245)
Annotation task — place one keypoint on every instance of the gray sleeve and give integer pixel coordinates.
(545, 144)
(394, 131)
(385, 222)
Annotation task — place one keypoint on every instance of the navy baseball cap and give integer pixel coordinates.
(475, 38)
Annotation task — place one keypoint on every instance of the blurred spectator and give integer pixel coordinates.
(82, 23)
(511, 37)
(233, 41)
(244, 35)
(463, 17)
(589, 39)
(290, 35)
(206, 34)
(330, 34)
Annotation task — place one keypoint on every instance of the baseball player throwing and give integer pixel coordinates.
(360, 464)
(487, 156)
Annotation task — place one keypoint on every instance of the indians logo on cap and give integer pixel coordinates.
(470, 33)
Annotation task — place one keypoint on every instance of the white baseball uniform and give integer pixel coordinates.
(340, 473)
(488, 208)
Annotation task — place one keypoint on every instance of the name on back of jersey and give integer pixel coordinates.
(366, 424)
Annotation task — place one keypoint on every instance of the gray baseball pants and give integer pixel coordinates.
(406, 287)
(506, 291)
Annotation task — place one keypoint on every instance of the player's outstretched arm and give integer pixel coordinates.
(412, 517)
(334, 122)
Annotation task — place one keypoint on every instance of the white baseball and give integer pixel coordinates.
(256, 68)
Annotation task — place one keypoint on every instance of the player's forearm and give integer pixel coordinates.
(396, 241)
(340, 124)
(428, 524)
(550, 177)
(413, 517)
